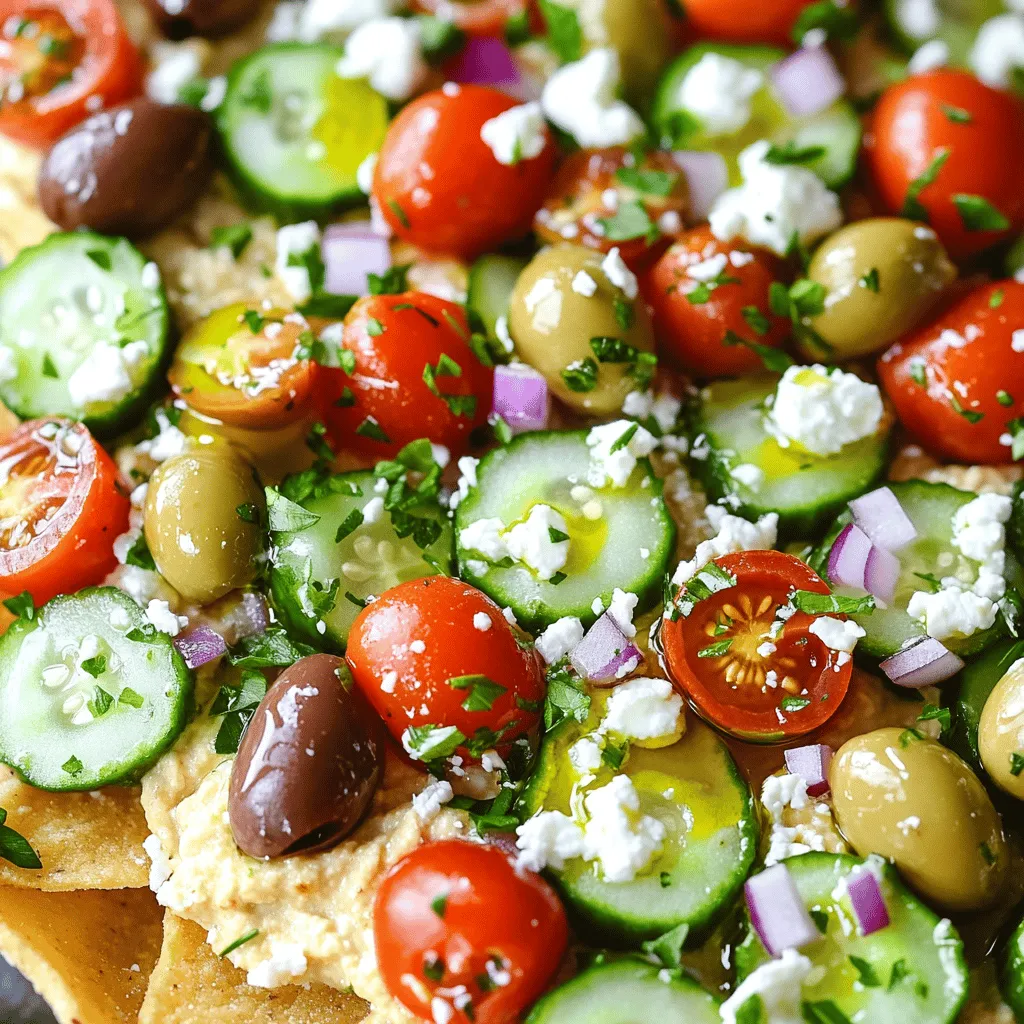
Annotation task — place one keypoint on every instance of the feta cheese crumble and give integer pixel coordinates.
(616, 835)
(823, 410)
(998, 50)
(548, 840)
(644, 709)
(532, 542)
(160, 615)
(559, 638)
(583, 284)
(386, 52)
(778, 984)
(287, 961)
(718, 91)
(664, 408)
(518, 133)
(836, 634)
(774, 203)
(619, 274)
(621, 609)
(616, 467)
(294, 241)
(428, 803)
(733, 534)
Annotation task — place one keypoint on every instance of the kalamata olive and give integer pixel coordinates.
(180, 18)
(309, 764)
(129, 170)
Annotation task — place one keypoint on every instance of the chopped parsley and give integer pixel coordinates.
(870, 280)
(581, 375)
(21, 606)
(15, 848)
(756, 320)
(650, 183)
(773, 359)
(968, 414)
(792, 152)
(73, 766)
(373, 430)
(912, 206)
(956, 114)
(715, 650)
(793, 703)
(629, 221)
(483, 691)
(565, 37)
(50, 367)
(826, 604)
(239, 942)
(235, 237)
(1016, 764)
(399, 213)
(978, 214)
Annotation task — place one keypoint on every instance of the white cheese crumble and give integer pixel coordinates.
(293, 242)
(664, 408)
(482, 621)
(774, 203)
(616, 835)
(778, 984)
(531, 542)
(486, 537)
(386, 52)
(548, 840)
(174, 66)
(779, 792)
(823, 410)
(518, 133)
(287, 962)
(643, 709)
(160, 864)
(373, 510)
(998, 50)
(582, 284)
(732, 534)
(718, 91)
(580, 98)
(621, 609)
(619, 274)
(365, 172)
(160, 615)
(319, 19)
(8, 365)
(105, 375)
(560, 638)
(585, 755)
(928, 57)
(428, 803)
(616, 467)
(837, 634)
(747, 474)
(467, 478)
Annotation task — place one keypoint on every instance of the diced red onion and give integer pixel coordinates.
(521, 397)
(604, 651)
(881, 574)
(200, 645)
(867, 900)
(350, 252)
(707, 177)
(880, 515)
(922, 664)
(808, 81)
(257, 615)
(848, 559)
(811, 763)
(486, 60)
(777, 912)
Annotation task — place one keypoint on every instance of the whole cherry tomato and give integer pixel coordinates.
(60, 509)
(415, 375)
(457, 922)
(769, 21)
(958, 384)
(445, 670)
(602, 198)
(946, 148)
(59, 61)
(440, 185)
(706, 295)
(717, 658)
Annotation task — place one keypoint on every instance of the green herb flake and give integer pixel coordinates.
(996, 298)
(101, 702)
(650, 183)
(1016, 763)
(823, 1011)
(49, 368)
(253, 320)
(756, 320)
(374, 328)
(483, 691)
(286, 516)
(867, 975)
(1004, 398)
(837, 22)
(870, 280)
(773, 359)
(581, 376)
(668, 948)
(1015, 428)
(100, 257)
(348, 525)
(629, 221)
(793, 703)
(433, 970)
(21, 606)
(373, 430)
(968, 414)
(15, 848)
(131, 698)
(792, 152)
(613, 756)
(919, 372)
(96, 666)
(956, 114)
(239, 942)
(566, 697)
(831, 604)
(933, 713)
(912, 207)
(978, 214)
(439, 904)
(139, 554)
(393, 281)
(235, 237)
(73, 766)
(715, 650)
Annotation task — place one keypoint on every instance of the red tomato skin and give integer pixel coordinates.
(693, 335)
(404, 406)
(76, 549)
(770, 21)
(975, 373)
(482, 18)
(440, 187)
(910, 126)
(111, 69)
(492, 909)
(439, 611)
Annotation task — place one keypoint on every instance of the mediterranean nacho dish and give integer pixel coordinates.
(512, 512)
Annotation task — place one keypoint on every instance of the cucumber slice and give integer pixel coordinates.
(92, 693)
(913, 971)
(491, 280)
(956, 24)
(1013, 972)
(83, 328)
(626, 991)
(931, 508)
(316, 578)
(837, 129)
(294, 133)
(693, 787)
(604, 553)
(805, 490)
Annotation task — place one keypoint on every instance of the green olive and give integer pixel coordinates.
(552, 324)
(1001, 732)
(882, 276)
(203, 545)
(905, 796)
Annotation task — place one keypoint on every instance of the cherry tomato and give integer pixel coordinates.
(770, 21)
(441, 187)
(477, 17)
(713, 658)
(59, 61)
(243, 367)
(435, 653)
(695, 319)
(60, 509)
(415, 376)
(595, 189)
(945, 147)
(457, 922)
(958, 384)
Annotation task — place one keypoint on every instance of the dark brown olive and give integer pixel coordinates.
(129, 170)
(309, 764)
(180, 18)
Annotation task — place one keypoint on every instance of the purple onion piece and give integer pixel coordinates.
(200, 645)
(811, 763)
(881, 574)
(880, 515)
(486, 60)
(604, 652)
(707, 177)
(521, 397)
(257, 615)
(808, 81)
(777, 912)
(848, 558)
(922, 664)
(867, 901)
(350, 252)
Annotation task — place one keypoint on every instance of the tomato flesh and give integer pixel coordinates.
(60, 509)
(717, 656)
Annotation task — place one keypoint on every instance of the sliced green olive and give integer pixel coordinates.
(1001, 732)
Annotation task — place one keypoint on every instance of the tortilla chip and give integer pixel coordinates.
(89, 954)
(192, 985)
(85, 841)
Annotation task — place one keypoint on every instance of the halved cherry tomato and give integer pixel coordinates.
(434, 654)
(596, 190)
(60, 509)
(698, 321)
(455, 921)
(946, 148)
(440, 186)
(761, 696)
(958, 384)
(477, 17)
(59, 61)
(242, 367)
(768, 21)
(415, 376)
